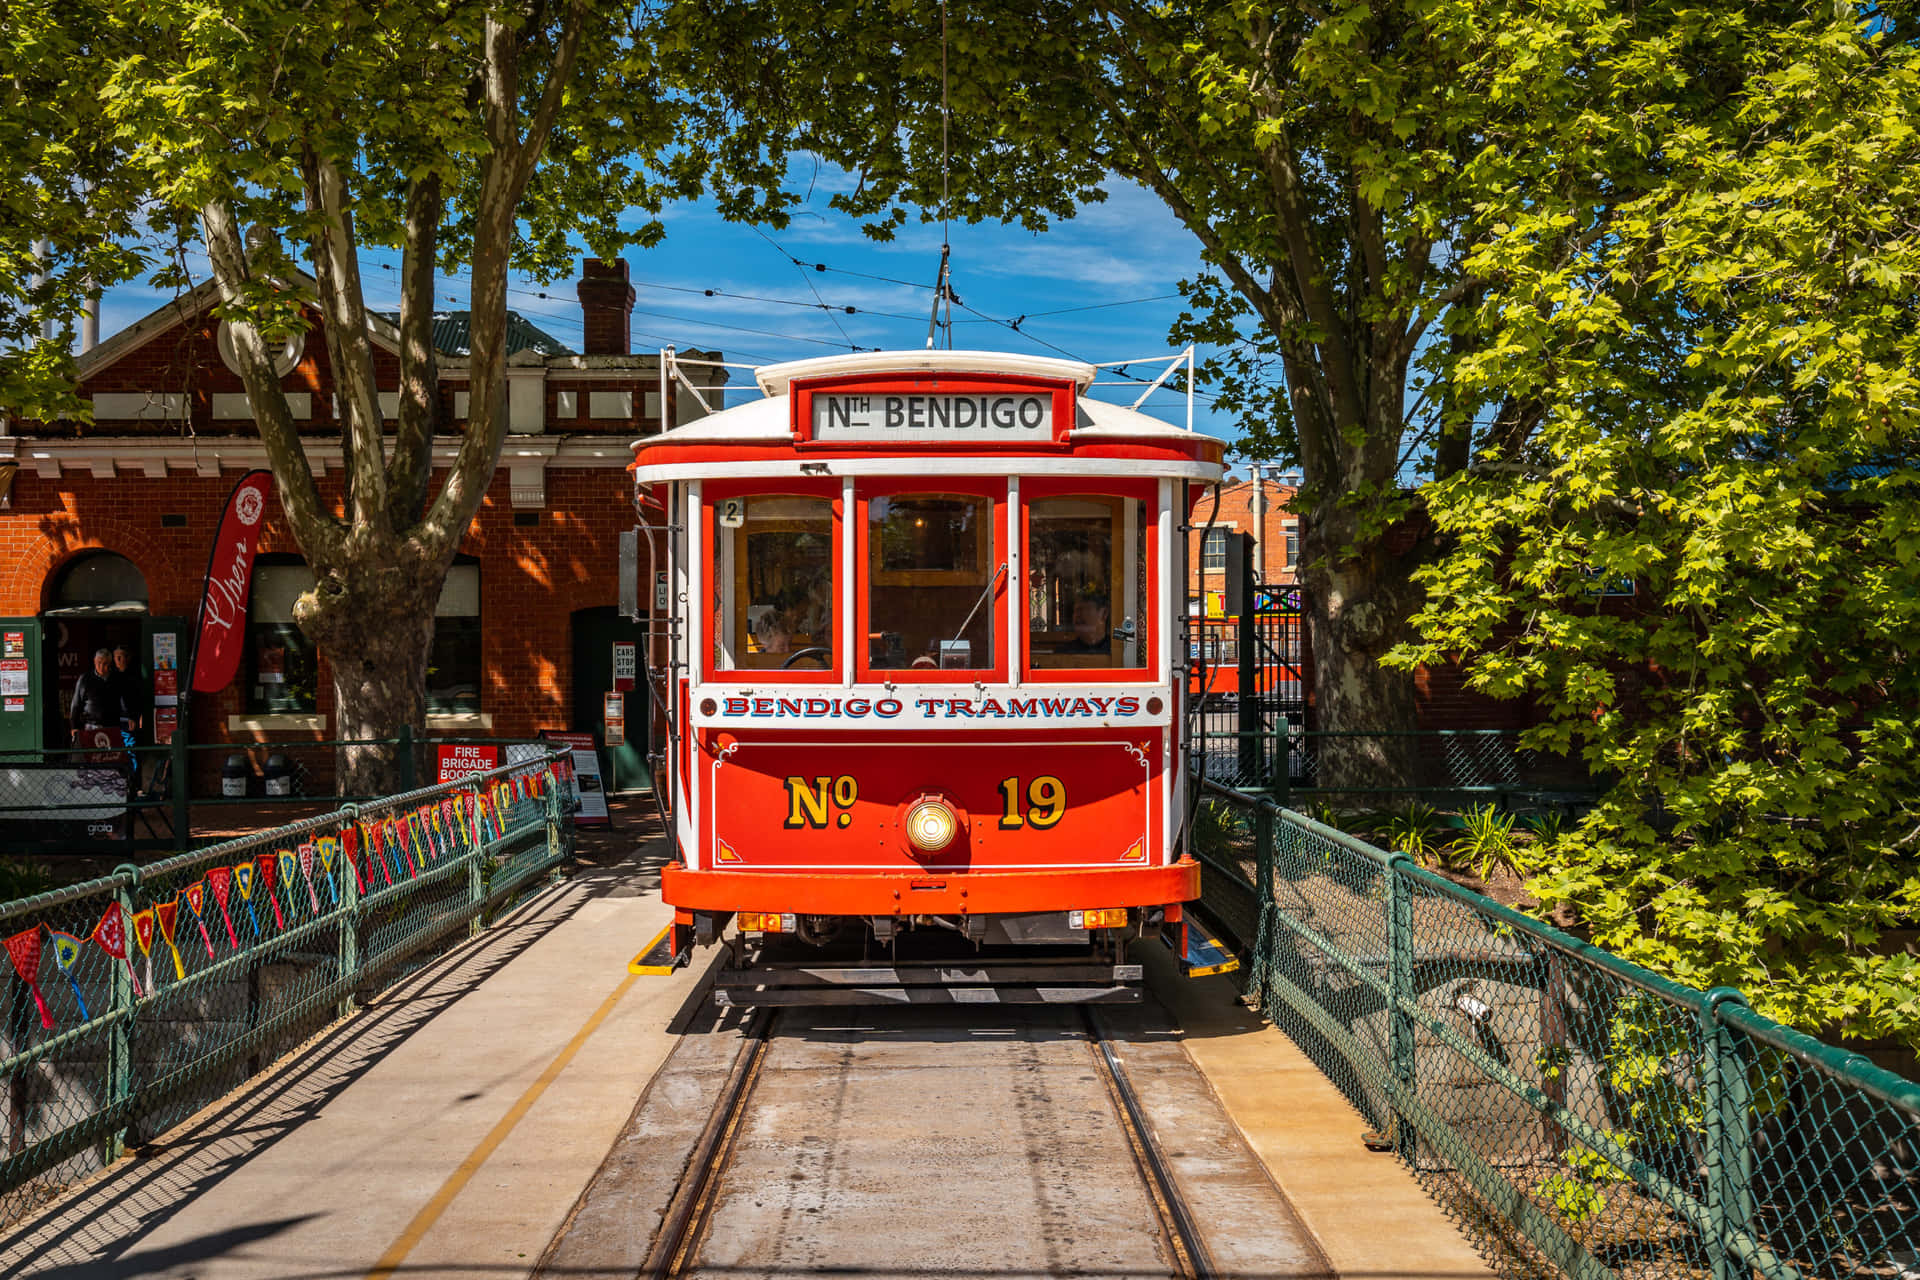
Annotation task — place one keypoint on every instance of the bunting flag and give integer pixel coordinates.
(168, 915)
(143, 934)
(220, 880)
(379, 854)
(328, 850)
(267, 867)
(307, 855)
(66, 951)
(196, 896)
(24, 950)
(243, 880)
(110, 935)
(350, 848)
(290, 876)
(444, 816)
(397, 839)
(423, 835)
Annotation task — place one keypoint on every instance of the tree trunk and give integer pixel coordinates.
(1358, 599)
(376, 628)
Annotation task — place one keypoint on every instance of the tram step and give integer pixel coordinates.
(1012, 994)
(926, 975)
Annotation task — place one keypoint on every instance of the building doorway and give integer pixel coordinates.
(98, 601)
(595, 633)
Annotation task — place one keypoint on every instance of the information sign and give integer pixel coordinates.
(457, 760)
(590, 803)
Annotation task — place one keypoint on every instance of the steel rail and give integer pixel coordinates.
(1189, 1250)
(685, 1221)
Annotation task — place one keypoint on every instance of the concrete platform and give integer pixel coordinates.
(449, 1129)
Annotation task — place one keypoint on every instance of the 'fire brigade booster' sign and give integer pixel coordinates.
(902, 417)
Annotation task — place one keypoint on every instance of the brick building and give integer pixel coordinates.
(1258, 507)
(105, 526)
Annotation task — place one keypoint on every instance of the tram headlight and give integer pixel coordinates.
(931, 824)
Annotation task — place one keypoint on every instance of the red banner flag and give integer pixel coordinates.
(168, 914)
(220, 880)
(220, 636)
(110, 935)
(24, 950)
(267, 869)
(195, 896)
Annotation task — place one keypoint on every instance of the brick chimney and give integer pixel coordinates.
(606, 307)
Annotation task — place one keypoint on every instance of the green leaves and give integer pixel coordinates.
(1724, 364)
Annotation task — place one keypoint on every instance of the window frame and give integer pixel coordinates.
(1040, 488)
(250, 705)
(1213, 549)
(462, 561)
(994, 490)
(707, 588)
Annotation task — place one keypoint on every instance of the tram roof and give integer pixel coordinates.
(769, 420)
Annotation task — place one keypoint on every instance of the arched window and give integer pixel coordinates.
(99, 582)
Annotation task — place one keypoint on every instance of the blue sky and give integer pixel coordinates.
(1100, 287)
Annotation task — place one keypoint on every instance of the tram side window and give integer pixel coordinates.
(773, 578)
(929, 584)
(1086, 582)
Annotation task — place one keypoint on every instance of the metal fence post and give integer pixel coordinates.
(177, 781)
(120, 1039)
(1401, 1054)
(554, 851)
(1726, 1099)
(406, 757)
(347, 912)
(1265, 908)
(1280, 761)
(476, 882)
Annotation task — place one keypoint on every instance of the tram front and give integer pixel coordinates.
(926, 678)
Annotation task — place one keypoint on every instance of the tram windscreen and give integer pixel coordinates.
(773, 578)
(929, 583)
(1086, 582)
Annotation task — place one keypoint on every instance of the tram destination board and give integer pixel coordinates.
(932, 418)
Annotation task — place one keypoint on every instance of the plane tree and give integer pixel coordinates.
(288, 140)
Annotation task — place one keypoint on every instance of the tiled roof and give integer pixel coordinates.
(453, 334)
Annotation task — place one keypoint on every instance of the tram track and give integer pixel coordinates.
(675, 1251)
(1185, 1245)
(691, 1208)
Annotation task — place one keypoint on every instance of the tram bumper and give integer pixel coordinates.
(929, 893)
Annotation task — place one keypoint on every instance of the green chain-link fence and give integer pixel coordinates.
(1581, 1116)
(136, 999)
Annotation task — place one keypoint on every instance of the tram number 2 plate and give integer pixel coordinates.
(733, 513)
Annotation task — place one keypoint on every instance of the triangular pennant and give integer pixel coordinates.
(397, 839)
(307, 856)
(327, 849)
(386, 859)
(24, 950)
(66, 953)
(168, 915)
(110, 935)
(195, 895)
(220, 880)
(143, 934)
(290, 876)
(243, 876)
(267, 867)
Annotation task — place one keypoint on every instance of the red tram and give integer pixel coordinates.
(925, 678)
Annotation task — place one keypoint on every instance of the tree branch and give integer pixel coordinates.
(412, 464)
(312, 525)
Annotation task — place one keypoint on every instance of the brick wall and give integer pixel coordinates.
(532, 578)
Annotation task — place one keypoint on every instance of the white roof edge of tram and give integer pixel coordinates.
(774, 379)
(770, 421)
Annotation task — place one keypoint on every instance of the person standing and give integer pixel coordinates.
(131, 687)
(96, 702)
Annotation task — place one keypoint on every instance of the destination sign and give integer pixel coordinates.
(907, 417)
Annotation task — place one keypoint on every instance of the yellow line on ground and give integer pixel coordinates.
(424, 1220)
